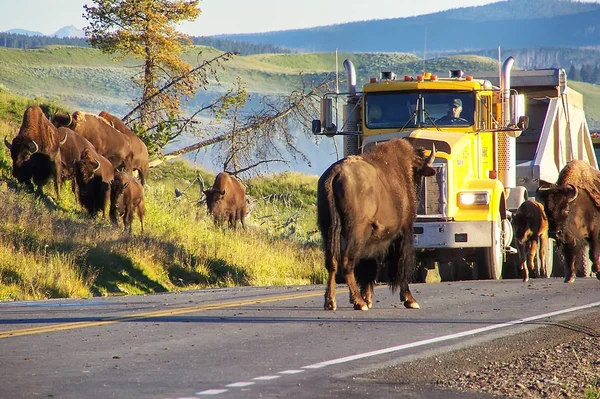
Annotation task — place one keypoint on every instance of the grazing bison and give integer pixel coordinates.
(226, 200)
(126, 198)
(366, 208)
(71, 148)
(531, 232)
(107, 140)
(35, 151)
(93, 174)
(573, 209)
(140, 151)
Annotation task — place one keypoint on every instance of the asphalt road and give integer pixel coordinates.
(262, 342)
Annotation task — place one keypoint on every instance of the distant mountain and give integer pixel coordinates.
(510, 24)
(69, 31)
(24, 32)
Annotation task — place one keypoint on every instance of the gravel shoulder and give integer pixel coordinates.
(558, 360)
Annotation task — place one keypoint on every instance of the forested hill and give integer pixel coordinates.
(511, 24)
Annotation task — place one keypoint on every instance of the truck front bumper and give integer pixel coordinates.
(452, 234)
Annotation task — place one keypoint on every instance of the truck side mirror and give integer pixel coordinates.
(316, 126)
(523, 123)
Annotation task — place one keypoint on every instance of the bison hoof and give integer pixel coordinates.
(526, 279)
(598, 275)
(411, 305)
(570, 279)
(329, 305)
(358, 306)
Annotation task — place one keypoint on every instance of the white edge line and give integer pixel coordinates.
(266, 377)
(447, 337)
(291, 371)
(240, 384)
(212, 392)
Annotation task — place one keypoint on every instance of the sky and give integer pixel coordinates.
(234, 16)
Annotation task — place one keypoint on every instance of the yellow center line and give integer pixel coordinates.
(147, 315)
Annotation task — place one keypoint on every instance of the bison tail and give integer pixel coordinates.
(329, 222)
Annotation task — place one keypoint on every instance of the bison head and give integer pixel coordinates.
(117, 206)
(213, 199)
(61, 119)
(557, 200)
(21, 151)
(86, 168)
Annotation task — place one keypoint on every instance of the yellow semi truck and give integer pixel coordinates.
(489, 159)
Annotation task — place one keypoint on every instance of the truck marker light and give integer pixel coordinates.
(420, 78)
(373, 80)
(407, 78)
(433, 77)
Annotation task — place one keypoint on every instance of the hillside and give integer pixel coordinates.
(509, 24)
(84, 78)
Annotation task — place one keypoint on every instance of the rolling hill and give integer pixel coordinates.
(86, 79)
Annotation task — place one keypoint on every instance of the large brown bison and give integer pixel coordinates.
(140, 151)
(93, 174)
(531, 233)
(35, 151)
(226, 200)
(107, 140)
(126, 199)
(366, 210)
(572, 206)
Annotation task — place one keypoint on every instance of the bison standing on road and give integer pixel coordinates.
(126, 199)
(531, 231)
(93, 174)
(366, 207)
(573, 210)
(226, 200)
(35, 151)
(140, 151)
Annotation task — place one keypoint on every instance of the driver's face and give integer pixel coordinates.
(456, 110)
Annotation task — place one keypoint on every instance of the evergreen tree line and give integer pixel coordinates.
(15, 40)
(24, 42)
(587, 73)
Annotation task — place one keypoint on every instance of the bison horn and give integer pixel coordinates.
(97, 165)
(33, 147)
(431, 157)
(62, 141)
(7, 144)
(574, 193)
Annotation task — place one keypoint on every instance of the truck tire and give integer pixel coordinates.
(493, 257)
(549, 259)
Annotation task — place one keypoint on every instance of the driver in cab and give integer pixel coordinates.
(453, 115)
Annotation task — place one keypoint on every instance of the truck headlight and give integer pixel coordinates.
(474, 198)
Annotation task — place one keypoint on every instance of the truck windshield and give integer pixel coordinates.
(400, 109)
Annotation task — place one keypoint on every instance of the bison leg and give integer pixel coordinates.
(533, 249)
(331, 264)
(543, 248)
(355, 297)
(523, 252)
(569, 251)
(365, 273)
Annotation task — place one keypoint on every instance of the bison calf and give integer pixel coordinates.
(126, 198)
(226, 200)
(531, 232)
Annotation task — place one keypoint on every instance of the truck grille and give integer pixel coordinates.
(433, 194)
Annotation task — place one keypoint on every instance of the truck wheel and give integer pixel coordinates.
(549, 258)
(493, 256)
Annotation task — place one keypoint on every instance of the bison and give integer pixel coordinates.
(126, 198)
(93, 174)
(71, 148)
(107, 140)
(226, 200)
(572, 206)
(366, 208)
(140, 151)
(35, 151)
(531, 233)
